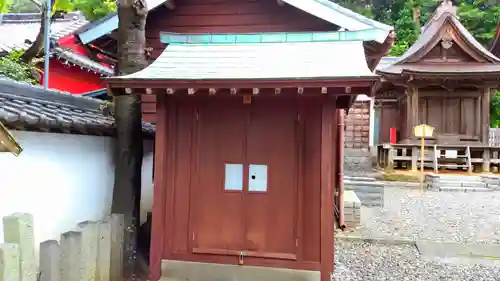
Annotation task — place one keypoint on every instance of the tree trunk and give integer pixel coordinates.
(36, 48)
(127, 188)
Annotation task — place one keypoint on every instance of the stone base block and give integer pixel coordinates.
(173, 270)
(352, 208)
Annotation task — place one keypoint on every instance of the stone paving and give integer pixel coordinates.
(438, 216)
(360, 261)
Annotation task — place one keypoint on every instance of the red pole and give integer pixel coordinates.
(392, 135)
(340, 163)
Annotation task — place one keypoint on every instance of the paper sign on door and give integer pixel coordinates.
(234, 177)
(257, 178)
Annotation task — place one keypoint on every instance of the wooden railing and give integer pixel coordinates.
(465, 157)
(494, 139)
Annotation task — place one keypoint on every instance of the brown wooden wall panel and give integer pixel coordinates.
(403, 120)
(451, 114)
(184, 118)
(312, 180)
(177, 233)
(389, 118)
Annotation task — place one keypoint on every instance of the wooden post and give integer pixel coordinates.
(422, 155)
(409, 122)
(414, 158)
(328, 138)
(486, 116)
(486, 160)
(390, 158)
(435, 159)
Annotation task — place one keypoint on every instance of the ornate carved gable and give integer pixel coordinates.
(449, 43)
(450, 48)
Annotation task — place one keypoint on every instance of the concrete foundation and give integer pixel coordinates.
(352, 208)
(196, 271)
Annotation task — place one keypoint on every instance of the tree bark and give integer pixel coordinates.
(127, 189)
(36, 48)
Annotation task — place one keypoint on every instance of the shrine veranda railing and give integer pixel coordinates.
(494, 139)
(465, 157)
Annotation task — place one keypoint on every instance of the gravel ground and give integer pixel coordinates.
(472, 217)
(358, 261)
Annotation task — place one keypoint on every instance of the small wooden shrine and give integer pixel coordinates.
(247, 149)
(446, 80)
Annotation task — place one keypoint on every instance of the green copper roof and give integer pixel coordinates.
(273, 37)
(286, 60)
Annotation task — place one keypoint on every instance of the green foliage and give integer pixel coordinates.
(495, 111)
(407, 31)
(91, 9)
(13, 67)
(480, 18)
(95, 9)
(4, 6)
(23, 6)
(64, 5)
(359, 6)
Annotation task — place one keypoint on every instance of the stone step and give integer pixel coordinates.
(462, 184)
(369, 197)
(459, 253)
(464, 189)
(458, 178)
(367, 179)
(363, 183)
(364, 189)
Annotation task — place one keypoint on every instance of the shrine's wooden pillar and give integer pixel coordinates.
(412, 104)
(485, 127)
(485, 115)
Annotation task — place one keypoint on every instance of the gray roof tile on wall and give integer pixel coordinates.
(15, 29)
(33, 108)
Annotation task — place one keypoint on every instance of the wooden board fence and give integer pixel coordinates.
(92, 251)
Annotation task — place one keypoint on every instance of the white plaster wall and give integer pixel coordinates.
(61, 180)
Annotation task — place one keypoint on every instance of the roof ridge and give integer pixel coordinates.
(36, 17)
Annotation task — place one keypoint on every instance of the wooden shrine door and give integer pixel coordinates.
(244, 191)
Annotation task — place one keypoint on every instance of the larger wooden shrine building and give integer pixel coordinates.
(445, 79)
(248, 100)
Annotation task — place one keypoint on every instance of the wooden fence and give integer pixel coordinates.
(92, 251)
